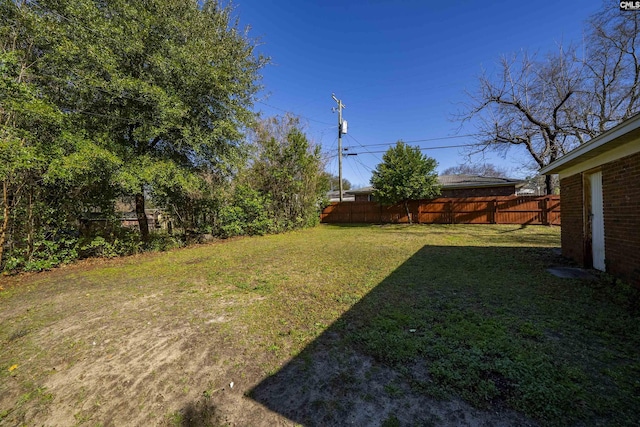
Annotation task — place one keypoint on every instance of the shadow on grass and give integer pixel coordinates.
(483, 325)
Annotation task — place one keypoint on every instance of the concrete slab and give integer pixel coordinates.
(571, 273)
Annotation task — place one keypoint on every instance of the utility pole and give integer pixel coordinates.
(340, 107)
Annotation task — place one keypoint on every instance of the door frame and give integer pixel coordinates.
(588, 219)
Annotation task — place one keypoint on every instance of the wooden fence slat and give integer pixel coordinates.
(469, 210)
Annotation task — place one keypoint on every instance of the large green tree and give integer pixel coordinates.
(32, 127)
(100, 99)
(164, 86)
(405, 174)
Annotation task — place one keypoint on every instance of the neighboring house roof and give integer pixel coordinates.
(363, 190)
(452, 182)
(619, 141)
(476, 181)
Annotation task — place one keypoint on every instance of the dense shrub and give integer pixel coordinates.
(45, 252)
(247, 214)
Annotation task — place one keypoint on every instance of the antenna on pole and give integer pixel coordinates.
(340, 132)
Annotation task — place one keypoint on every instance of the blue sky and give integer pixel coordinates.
(401, 67)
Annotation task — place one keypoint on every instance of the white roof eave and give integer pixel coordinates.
(614, 137)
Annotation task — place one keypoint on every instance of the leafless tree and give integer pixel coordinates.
(550, 104)
(611, 72)
(481, 169)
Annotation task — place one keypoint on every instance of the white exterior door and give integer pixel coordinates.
(597, 221)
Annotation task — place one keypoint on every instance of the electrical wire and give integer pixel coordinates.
(442, 147)
(89, 113)
(358, 171)
(363, 146)
(440, 138)
(94, 85)
(74, 22)
(297, 115)
(363, 165)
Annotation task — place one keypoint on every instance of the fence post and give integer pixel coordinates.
(545, 216)
(494, 207)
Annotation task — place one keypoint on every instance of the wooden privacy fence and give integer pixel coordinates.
(470, 210)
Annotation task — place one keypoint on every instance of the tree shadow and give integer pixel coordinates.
(373, 365)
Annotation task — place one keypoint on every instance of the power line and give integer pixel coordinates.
(89, 113)
(363, 165)
(440, 138)
(327, 157)
(297, 115)
(75, 22)
(442, 147)
(358, 171)
(94, 85)
(363, 146)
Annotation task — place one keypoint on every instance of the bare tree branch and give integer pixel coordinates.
(549, 105)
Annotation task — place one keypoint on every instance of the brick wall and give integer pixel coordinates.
(621, 197)
(480, 192)
(572, 218)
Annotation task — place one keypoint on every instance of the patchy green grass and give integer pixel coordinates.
(466, 311)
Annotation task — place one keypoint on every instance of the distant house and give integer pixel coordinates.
(363, 194)
(477, 186)
(600, 190)
(154, 218)
(334, 196)
(460, 186)
(536, 186)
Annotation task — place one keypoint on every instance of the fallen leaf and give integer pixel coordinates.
(13, 368)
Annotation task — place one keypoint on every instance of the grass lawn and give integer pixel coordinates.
(372, 325)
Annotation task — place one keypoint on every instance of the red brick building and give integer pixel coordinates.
(600, 190)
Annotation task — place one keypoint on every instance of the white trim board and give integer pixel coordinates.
(626, 133)
(606, 157)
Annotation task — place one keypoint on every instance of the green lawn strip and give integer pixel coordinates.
(481, 329)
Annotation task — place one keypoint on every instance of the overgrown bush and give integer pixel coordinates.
(119, 242)
(45, 252)
(160, 242)
(247, 214)
(288, 169)
(126, 242)
(98, 247)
